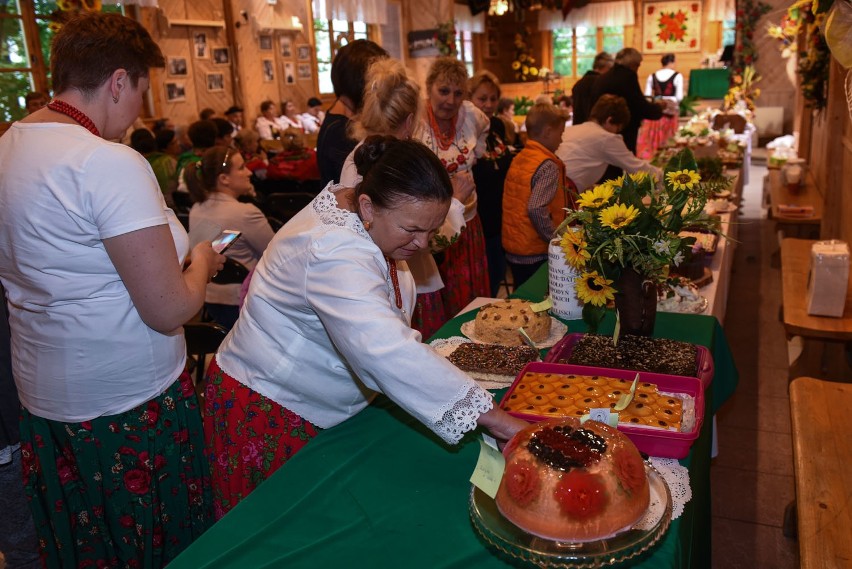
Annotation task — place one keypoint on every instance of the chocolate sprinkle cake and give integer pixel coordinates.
(492, 358)
(640, 353)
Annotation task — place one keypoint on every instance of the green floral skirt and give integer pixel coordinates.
(127, 490)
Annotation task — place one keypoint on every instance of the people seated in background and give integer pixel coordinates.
(203, 135)
(566, 103)
(234, 114)
(35, 100)
(248, 143)
(206, 114)
(268, 125)
(163, 165)
(216, 182)
(666, 85)
(506, 113)
(536, 193)
(581, 93)
(326, 326)
(312, 119)
(290, 116)
(587, 149)
(224, 131)
(163, 124)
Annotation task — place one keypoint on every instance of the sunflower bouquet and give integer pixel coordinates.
(632, 223)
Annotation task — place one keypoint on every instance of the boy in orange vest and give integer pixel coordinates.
(535, 194)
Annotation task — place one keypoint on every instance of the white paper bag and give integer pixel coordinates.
(566, 305)
(829, 278)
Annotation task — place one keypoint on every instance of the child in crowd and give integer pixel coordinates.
(535, 194)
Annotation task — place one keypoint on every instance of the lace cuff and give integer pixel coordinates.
(462, 414)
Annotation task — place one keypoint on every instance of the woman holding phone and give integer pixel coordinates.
(92, 260)
(216, 183)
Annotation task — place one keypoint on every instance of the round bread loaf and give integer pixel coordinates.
(573, 483)
(498, 323)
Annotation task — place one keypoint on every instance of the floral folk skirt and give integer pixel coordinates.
(126, 490)
(653, 135)
(429, 314)
(249, 437)
(465, 269)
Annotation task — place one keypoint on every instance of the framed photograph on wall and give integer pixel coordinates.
(264, 42)
(199, 45)
(177, 67)
(215, 82)
(289, 73)
(175, 91)
(305, 71)
(303, 52)
(268, 71)
(671, 26)
(492, 44)
(221, 56)
(285, 43)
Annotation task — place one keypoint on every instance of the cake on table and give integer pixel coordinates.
(573, 483)
(492, 358)
(639, 353)
(498, 323)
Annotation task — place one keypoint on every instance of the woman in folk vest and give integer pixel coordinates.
(665, 84)
(536, 193)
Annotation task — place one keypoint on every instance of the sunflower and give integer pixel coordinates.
(641, 176)
(683, 179)
(574, 247)
(597, 197)
(594, 289)
(618, 215)
(516, 65)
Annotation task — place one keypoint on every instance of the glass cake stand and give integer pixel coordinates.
(540, 552)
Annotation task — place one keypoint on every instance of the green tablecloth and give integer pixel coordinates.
(380, 490)
(709, 83)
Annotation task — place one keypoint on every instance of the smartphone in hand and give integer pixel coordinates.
(225, 240)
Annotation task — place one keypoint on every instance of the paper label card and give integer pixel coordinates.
(545, 304)
(489, 468)
(602, 415)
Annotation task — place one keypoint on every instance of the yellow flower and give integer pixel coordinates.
(533, 71)
(683, 179)
(594, 289)
(597, 197)
(618, 215)
(641, 176)
(574, 246)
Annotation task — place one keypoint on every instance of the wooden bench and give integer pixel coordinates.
(794, 224)
(822, 452)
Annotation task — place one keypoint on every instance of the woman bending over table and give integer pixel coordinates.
(455, 130)
(216, 183)
(326, 326)
(91, 260)
(392, 106)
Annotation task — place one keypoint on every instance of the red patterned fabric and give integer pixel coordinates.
(429, 314)
(653, 135)
(465, 269)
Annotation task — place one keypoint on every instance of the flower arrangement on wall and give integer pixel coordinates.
(446, 38)
(748, 14)
(742, 94)
(524, 66)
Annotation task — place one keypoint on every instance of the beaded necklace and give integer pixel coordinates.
(70, 111)
(444, 141)
(397, 294)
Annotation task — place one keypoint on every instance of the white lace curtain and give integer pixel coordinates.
(593, 15)
(467, 23)
(367, 11)
(720, 10)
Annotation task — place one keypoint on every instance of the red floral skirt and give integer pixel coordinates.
(653, 135)
(465, 269)
(249, 437)
(126, 490)
(429, 314)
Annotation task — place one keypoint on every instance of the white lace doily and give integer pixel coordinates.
(677, 479)
(446, 346)
(557, 332)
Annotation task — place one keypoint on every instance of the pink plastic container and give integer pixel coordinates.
(661, 443)
(563, 349)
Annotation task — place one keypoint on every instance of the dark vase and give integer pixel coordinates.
(636, 302)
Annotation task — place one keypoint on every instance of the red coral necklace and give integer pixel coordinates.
(397, 294)
(444, 140)
(71, 111)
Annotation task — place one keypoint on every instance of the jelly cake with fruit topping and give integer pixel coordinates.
(573, 483)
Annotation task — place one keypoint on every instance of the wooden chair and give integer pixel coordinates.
(202, 338)
(284, 206)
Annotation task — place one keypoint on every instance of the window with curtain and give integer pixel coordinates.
(25, 36)
(464, 49)
(330, 35)
(729, 32)
(574, 49)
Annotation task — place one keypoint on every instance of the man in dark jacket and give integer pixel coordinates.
(582, 91)
(623, 81)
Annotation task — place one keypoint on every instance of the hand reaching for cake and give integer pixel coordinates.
(501, 425)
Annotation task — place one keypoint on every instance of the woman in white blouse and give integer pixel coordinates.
(269, 126)
(290, 117)
(326, 326)
(664, 84)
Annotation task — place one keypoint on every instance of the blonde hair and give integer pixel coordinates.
(483, 77)
(390, 96)
(542, 115)
(448, 68)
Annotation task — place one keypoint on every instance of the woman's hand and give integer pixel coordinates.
(463, 186)
(204, 254)
(501, 425)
